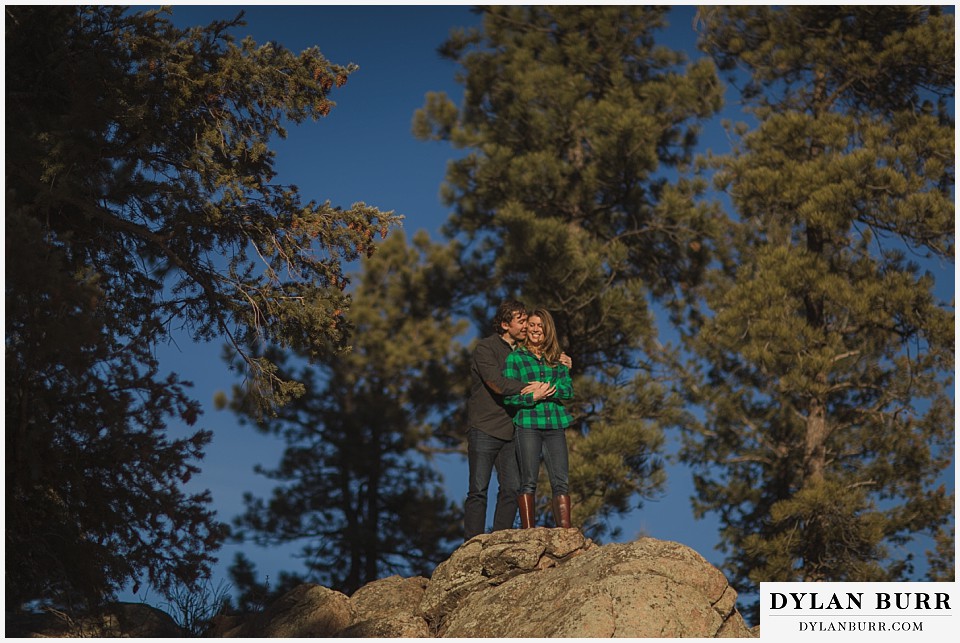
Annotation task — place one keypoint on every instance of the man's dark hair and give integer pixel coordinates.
(505, 313)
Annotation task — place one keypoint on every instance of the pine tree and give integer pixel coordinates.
(943, 557)
(140, 203)
(355, 484)
(826, 356)
(572, 121)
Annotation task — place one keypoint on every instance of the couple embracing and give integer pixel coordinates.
(519, 379)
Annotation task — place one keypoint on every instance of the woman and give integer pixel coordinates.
(540, 424)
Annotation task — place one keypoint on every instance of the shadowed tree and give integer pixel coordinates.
(356, 484)
(140, 201)
(573, 124)
(826, 356)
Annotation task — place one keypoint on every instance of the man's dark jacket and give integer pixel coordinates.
(485, 409)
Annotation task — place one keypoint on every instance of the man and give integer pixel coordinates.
(490, 426)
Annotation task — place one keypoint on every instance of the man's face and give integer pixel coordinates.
(516, 330)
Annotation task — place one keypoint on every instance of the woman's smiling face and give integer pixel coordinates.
(534, 331)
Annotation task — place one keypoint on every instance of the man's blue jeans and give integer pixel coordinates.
(553, 444)
(484, 454)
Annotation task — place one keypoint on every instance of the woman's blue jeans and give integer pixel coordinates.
(552, 443)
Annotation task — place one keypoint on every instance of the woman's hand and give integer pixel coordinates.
(566, 361)
(540, 390)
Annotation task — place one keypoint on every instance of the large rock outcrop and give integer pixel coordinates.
(554, 583)
(533, 583)
(530, 583)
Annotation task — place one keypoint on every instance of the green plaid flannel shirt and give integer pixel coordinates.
(547, 413)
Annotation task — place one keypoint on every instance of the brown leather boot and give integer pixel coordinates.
(561, 511)
(525, 502)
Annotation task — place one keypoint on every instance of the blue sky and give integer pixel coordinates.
(364, 151)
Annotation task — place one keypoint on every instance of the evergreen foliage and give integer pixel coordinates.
(139, 201)
(355, 484)
(572, 121)
(826, 358)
